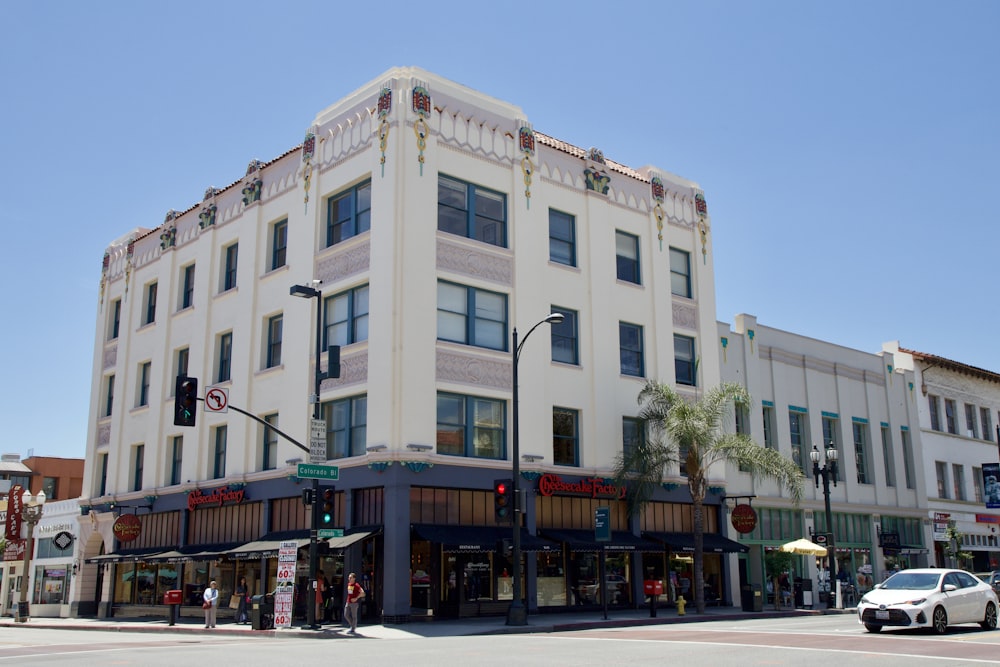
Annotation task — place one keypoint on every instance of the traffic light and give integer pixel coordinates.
(503, 499)
(326, 507)
(185, 400)
(307, 497)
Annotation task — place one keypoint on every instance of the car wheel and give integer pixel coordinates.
(871, 627)
(939, 620)
(989, 621)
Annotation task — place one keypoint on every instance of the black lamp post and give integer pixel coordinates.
(305, 292)
(829, 473)
(31, 513)
(518, 613)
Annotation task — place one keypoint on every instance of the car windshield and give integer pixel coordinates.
(912, 581)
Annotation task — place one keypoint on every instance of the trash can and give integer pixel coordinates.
(752, 598)
(262, 612)
(804, 593)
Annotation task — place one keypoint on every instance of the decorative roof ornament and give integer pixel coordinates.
(308, 150)
(657, 190)
(168, 238)
(210, 193)
(701, 208)
(421, 100)
(383, 110)
(594, 177)
(526, 142)
(105, 265)
(206, 218)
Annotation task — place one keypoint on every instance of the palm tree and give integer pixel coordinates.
(691, 433)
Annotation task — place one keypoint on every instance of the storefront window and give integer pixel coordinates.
(551, 584)
(420, 578)
(124, 583)
(51, 585)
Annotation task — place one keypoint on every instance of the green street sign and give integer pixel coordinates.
(314, 471)
(330, 532)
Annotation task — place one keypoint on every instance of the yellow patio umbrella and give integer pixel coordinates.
(804, 547)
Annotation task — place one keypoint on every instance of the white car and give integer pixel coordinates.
(929, 598)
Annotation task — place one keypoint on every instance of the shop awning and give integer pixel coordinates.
(269, 544)
(711, 543)
(584, 540)
(347, 540)
(190, 553)
(477, 539)
(125, 556)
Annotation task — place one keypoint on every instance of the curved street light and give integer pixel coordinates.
(518, 613)
(828, 472)
(31, 512)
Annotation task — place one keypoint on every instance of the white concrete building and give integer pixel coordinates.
(810, 393)
(959, 412)
(437, 221)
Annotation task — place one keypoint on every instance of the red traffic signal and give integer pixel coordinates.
(503, 499)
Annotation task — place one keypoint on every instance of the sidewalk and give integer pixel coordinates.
(537, 623)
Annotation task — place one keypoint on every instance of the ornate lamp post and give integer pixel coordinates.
(829, 473)
(518, 613)
(30, 514)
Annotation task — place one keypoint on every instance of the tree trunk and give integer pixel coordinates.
(697, 487)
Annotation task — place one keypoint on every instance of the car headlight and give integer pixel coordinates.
(916, 602)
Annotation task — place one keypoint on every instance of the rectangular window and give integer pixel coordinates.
(49, 486)
(472, 211)
(984, 419)
(949, 415)
(229, 270)
(225, 366)
(958, 477)
(908, 463)
(941, 468)
(742, 420)
(471, 426)
(347, 427)
(472, 316)
(861, 451)
(273, 356)
(796, 433)
(102, 486)
(685, 366)
(279, 244)
(633, 435)
(971, 425)
(630, 349)
(345, 317)
(219, 455)
(181, 362)
(680, 272)
(187, 287)
(142, 399)
(565, 346)
(149, 308)
(769, 440)
(887, 458)
(109, 394)
(562, 238)
(138, 455)
(932, 409)
(977, 484)
(176, 457)
(269, 443)
(349, 213)
(114, 325)
(565, 437)
(627, 256)
(831, 433)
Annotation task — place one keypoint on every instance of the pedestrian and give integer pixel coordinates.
(210, 604)
(243, 592)
(354, 595)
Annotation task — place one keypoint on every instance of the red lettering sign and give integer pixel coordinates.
(221, 495)
(14, 550)
(594, 487)
(127, 528)
(15, 505)
(744, 519)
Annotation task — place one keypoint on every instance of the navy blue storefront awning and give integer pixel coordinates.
(477, 539)
(712, 542)
(584, 540)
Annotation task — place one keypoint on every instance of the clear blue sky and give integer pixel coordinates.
(849, 151)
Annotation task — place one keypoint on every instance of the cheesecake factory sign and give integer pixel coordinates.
(592, 487)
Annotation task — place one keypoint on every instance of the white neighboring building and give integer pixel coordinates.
(437, 221)
(808, 393)
(959, 407)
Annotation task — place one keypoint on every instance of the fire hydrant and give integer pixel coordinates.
(681, 603)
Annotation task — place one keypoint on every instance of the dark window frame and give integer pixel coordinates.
(355, 221)
(452, 217)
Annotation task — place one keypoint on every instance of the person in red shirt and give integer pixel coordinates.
(354, 595)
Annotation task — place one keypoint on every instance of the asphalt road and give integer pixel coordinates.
(816, 641)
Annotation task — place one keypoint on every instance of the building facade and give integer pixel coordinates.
(433, 221)
(959, 413)
(811, 394)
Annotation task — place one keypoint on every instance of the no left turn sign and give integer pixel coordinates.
(217, 400)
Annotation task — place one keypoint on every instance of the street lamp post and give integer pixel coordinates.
(30, 514)
(829, 473)
(518, 613)
(305, 292)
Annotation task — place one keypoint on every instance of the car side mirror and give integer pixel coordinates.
(948, 588)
